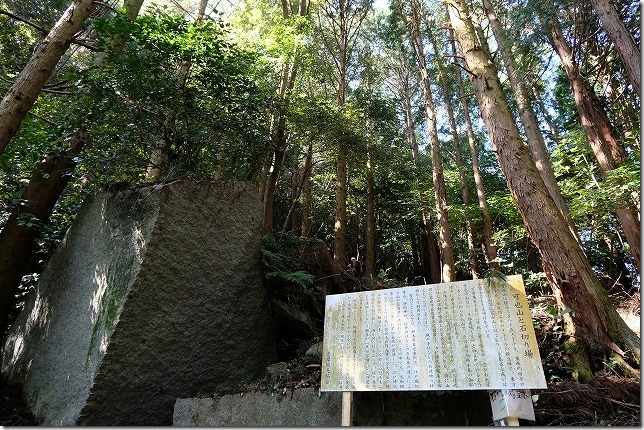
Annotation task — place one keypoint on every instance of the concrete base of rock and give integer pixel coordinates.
(298, 408)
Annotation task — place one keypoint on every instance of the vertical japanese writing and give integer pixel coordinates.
(448, 336)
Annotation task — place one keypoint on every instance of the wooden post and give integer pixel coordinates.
(513, 422)
(347, 408)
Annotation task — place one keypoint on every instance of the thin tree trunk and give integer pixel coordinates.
(201, 12)
(488, 243)
(457, 152)
(431, 252)
(533, 134)
(622, 39)
(295, 195)
(17, 241)
(161, 156)
(414, 249)
(440, 192)
(278, 129)
(27, 86)
(307, 202)
(271, 188)
(609, 152)
(291, 219)
(430, 258)
(345, 19)
(546, 115)
(599, 328)
(340, 228)
(370, 254)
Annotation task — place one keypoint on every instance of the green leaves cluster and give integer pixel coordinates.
(177, 85)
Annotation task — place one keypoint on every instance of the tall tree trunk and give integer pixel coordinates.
(610, 153)
(296, 185)
(370, 251)
(430, 258)
(291, 218)
(18, 241)
(488, 243)
(344, 19)
(442, 76)
(623, 40)
(440, 192)
(546, 115)
(599, 328)
(340, 227)
(533, 134)
(307, 199)
(161, 154)
(414, 249)
(27, 86)
(431, 252)
(278, 126)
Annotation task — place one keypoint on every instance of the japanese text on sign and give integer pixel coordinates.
(457, 335)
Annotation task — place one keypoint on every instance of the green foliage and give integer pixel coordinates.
(180, 86)
(288, 276)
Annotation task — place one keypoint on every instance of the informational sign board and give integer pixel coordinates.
(456, 335)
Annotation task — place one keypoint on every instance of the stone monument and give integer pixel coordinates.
(155, 293)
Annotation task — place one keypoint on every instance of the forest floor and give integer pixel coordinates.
(611, 399)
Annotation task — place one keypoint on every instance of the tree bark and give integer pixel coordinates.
(533, 134)
(609, 152)
(440, 192)
(27, 86)
(623, 40)
(18, 241)
(599, 328)
(488, 243)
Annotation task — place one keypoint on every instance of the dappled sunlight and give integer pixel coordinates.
(15, 346)
(100, 280)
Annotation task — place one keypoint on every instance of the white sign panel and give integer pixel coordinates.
(457, 335)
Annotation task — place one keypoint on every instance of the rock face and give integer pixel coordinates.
(299, 408)
(154, 294)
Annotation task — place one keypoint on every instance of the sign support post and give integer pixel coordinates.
(347, 408)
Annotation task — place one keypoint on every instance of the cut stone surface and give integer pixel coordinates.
(155, 293)
(297, 408)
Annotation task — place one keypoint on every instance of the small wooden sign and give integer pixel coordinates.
(451, 336)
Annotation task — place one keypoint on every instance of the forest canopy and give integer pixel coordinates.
(366, 126)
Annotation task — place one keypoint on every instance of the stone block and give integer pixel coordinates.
(298, 408)
(155, 293)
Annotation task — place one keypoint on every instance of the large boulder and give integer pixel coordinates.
(155, 293)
